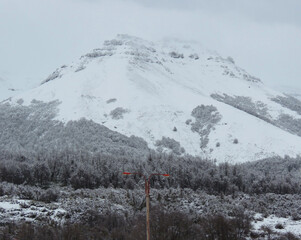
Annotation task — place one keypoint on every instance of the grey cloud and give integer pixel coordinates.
(258, 10)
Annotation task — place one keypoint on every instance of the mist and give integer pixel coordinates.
(263, 37)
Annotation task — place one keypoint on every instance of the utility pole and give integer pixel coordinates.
(147, 190)
(147, 210)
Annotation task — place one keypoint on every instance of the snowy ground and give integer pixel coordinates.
(26, 210)
(277, 223)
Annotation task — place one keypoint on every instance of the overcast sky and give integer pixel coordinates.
(263, 36)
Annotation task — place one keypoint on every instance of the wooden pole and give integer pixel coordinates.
(147, 218)
(147, 190)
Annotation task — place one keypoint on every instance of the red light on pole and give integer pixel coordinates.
(126, 173)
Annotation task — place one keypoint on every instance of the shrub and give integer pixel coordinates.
(118, 112)
(194, 56)
(188, 121)
(296, 216)
(289, 236)
(231, 60)
(49, 196)
(111, 100)
(176, 55)
(219, 227)
(279, 226)
(170, 144)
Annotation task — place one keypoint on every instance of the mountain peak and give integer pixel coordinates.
(139, 53)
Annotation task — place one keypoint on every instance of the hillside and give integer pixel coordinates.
(176, 96)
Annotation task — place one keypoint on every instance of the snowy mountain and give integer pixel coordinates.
(177, 96)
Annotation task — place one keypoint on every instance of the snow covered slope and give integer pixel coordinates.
(177, 96)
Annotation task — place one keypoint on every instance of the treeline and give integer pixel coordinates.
(86, 170)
